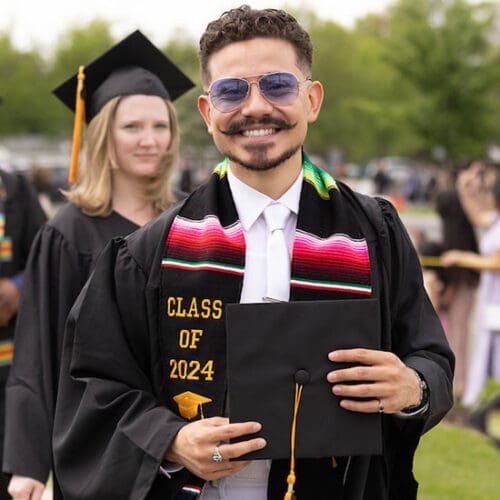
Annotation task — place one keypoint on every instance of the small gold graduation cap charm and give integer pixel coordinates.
(188, 403)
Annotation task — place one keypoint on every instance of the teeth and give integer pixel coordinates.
(258, 133)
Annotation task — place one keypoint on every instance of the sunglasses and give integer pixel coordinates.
(281, 89)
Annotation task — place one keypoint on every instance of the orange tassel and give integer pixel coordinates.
(291, 475)
(77, 128)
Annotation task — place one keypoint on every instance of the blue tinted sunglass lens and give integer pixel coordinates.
(279, 88)
(228, 93)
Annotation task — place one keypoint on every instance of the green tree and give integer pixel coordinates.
(194, 136)
(360, 113)
(444, 49)
(364, 112)
(23, 88)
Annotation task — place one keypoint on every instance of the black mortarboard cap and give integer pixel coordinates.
(132, 66)
(271, 348)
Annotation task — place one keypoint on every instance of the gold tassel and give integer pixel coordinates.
(291, 475)
(77, 128)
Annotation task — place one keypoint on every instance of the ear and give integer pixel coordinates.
(205, 111)
(315, 95)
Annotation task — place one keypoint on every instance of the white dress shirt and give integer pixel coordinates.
(251, 482)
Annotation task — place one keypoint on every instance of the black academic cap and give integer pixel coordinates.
(273, 348)
(132, 66)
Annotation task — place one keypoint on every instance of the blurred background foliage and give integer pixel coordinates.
(420, 78)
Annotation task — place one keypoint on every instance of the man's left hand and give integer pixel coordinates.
(383, 381)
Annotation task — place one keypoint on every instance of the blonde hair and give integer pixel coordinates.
(93, 190)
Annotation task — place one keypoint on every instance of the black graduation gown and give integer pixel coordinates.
(61, 259)
(112, 430)
(23, 218)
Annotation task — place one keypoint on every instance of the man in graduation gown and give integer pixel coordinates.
(21, 216)
(142, 414)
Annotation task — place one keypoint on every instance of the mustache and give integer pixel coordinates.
(235, 127)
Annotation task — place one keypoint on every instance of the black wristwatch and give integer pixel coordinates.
(423, 405)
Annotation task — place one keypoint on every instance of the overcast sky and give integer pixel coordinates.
(40, 22)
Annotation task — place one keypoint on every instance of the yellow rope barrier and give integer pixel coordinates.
(433, 261)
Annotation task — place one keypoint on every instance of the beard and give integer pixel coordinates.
(259, 159)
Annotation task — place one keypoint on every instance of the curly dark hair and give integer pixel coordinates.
(244, 23)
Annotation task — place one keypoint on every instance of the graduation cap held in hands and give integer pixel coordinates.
(132, 66)
(277, 355)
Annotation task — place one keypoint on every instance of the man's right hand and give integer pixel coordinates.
(195, 443)
(25, 488)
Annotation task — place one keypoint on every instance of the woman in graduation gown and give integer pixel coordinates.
(132, 146)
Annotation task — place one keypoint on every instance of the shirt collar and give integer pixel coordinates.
(250, 203)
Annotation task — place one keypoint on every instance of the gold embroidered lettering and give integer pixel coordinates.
(195, 338)
(184, 340)
(182, 366)
(189, 339)
(181, 313)
(191, 370)
(206, 310)
(208, 370)
(217, 309)
(173, 369)
(194, 368)
(171, 301)
(193, 309)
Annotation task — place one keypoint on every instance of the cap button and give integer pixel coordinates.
(302, 377)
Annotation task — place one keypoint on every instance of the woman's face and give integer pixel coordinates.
(141, 135)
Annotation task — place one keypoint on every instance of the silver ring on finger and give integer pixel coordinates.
(216, 455)
(381, 406)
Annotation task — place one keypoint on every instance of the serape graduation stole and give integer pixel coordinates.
(329, 255)
(6, 250)
(6, 352)
(202, 271)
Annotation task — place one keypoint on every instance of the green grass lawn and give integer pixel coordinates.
(454, 463)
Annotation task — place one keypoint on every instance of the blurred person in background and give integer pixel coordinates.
(381, 179)
(457, 297)
(20, 218)
(41, 179)
(479, 191)
(132, 146)
(434, 276)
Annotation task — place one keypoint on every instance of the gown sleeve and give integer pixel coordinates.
(417, 336)
(34, 216)
(54, 276)
(111, 431)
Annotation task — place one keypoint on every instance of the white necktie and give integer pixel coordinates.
(278, 258)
